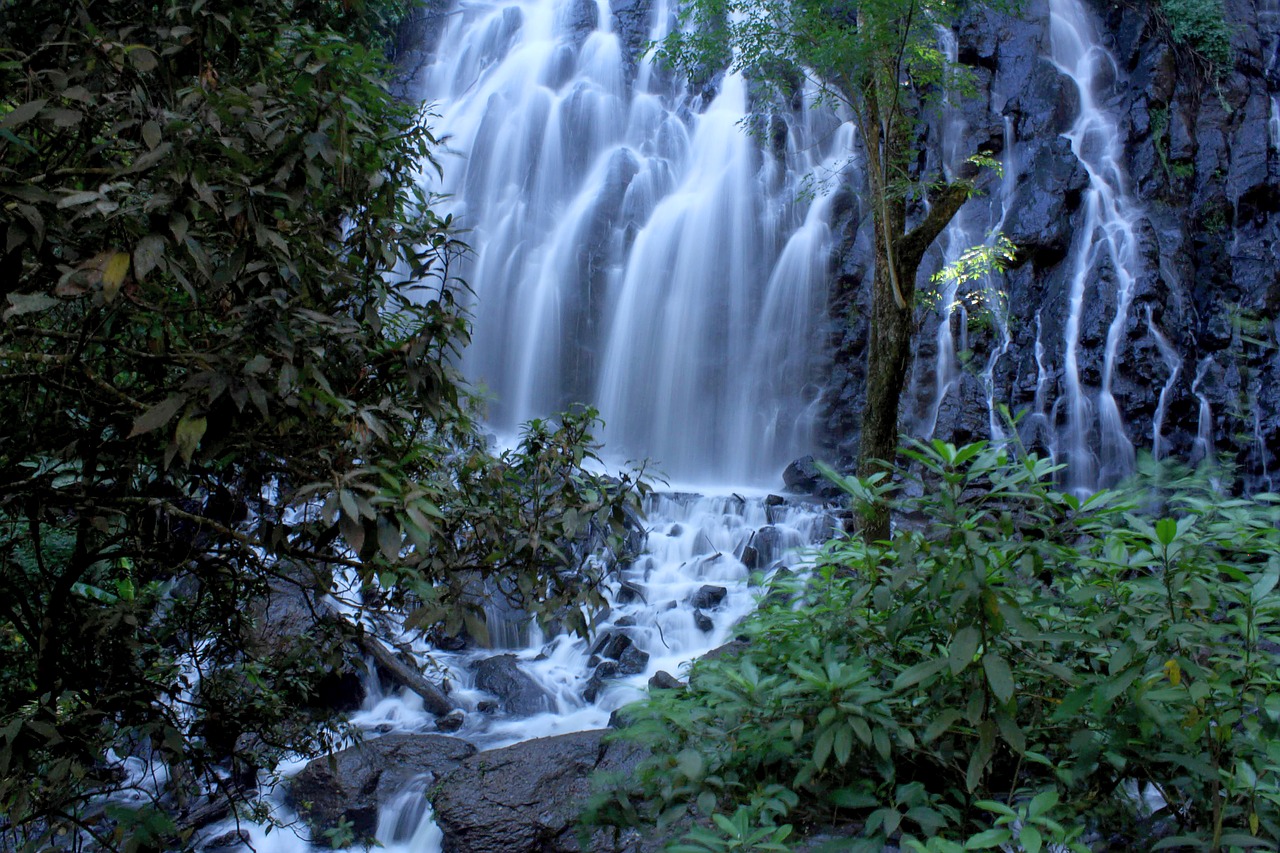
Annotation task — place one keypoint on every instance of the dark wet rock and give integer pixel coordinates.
(729, 649)
(750, 558)
(527, 798)
(703, 621)
(486, 706)
(625, 622)
(675, 530)
(516, 692)
(802, 475)
(619, 647)
(767, 543)
(350, 785)
(603, 672)
(632, 661)
(629, 592)
(663, 680)
(708, 597)
(235, 838)
(451, 721)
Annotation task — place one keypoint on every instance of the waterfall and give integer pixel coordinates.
(1174, 362)
(634, 248)
(1105, 250)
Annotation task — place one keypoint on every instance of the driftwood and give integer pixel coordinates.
(433, 698)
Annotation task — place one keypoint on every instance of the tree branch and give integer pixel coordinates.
(911, 247)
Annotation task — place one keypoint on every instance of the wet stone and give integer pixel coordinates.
(663, 680)
(709, 597)
(451, 721)
(703, 621)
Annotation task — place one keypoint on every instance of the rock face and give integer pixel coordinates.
(1196, 367)
(351, 784)
(527, 798)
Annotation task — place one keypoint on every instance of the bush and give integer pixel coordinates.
(228, 337)
(1017, 667)
(1200, 26)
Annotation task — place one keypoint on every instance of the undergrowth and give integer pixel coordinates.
(1017, 669)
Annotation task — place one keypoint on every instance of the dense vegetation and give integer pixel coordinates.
(226, 363)
(1016, 667)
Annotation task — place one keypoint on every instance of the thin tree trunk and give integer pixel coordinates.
(889, 354)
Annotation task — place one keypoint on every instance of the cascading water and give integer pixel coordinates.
(1174, 362)
(956, 237)
(1105, 250)
(634, 248)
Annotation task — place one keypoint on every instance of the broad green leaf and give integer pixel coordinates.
(114, 272)
(918, 673)
(147, 254)
(187, 435)
(22, 114)
(963, 647)
(988, 839)
(29, 303)
(998, 676)
(158, 415)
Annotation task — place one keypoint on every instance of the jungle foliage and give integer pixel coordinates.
(228, 328)
(1017, 669)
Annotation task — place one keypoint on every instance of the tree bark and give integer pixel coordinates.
(893, 332)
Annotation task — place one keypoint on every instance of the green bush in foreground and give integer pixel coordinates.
(1018, 668)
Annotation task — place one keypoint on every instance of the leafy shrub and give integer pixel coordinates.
(1017, 667)
(1201, 26)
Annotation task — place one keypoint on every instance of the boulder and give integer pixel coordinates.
(703, 621)
(351, 785)
(516, 692)
(526, 798)
(664, 680)
(802, 475)
(451, 721)
(709, 597)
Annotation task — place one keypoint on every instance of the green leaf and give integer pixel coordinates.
(918, 673)
(988, 839)
(690, 763)
(843, 744)
(158, 415)
(22, 114)
(147, 254)
(29, 303)
(1166, 531)
(998, 676)
(963, 648)
(1030, 839)
(187, 435)
(822, 748)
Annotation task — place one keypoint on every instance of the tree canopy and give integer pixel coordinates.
(227, 350)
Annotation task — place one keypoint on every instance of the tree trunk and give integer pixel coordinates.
(893, 331)
(889, 353)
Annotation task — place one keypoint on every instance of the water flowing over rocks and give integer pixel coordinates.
(352, 785)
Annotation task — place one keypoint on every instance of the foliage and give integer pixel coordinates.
(1017, 666)
(1201, 27)
(227, 351)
